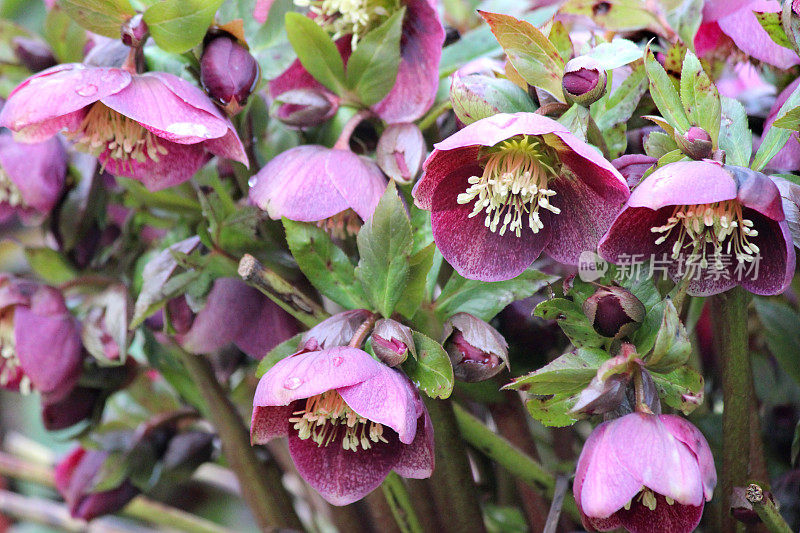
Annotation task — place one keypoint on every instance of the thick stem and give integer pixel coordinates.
(729, 319)
(261, 483)
(343, 142)
(363, 330)
(452, 485)
(428, 120)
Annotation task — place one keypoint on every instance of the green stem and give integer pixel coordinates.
(452, 485)
(729, 320)
(400, 502)
(261, 483)
(767, 510)
(509, 457)
(428, 120)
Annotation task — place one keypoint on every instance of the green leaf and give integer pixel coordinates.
(620, 105)
(177, 26)
(572, 321)
(420, 264)
(430, 370)
(324, 264)
(169, 365)
(384, 245)
(559, 36)
(569, 373)
(615, 54)
(553, 411)
(477, 96)
(776, 137)
(685, 19)
(99, 16)
(50, 265)
(700, 97)
(789, 121)
(681, 389)
(281, 351)
(65, 37)
(529, 51)
(614, 15)
(773, 24)
(659, 144)
(664, 94)
(486, 299)
(316, 51)
(672, 347)
(782, 334)
(372, 68)
(269, 43)
(734, 134)
(576, 120)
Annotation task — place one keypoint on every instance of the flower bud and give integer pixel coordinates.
(228, 72)
(336, 330)
(614, 311)
(696, 143)
(392, 341)
(77, 406)
(134, 32)
(188, 450)
(584, 81)
(477, 351)
(400, 152)
(304, 108)
(34, 54)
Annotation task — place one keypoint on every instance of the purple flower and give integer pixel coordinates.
(40, 341)
(420, 51)
(153, 127)
(31, 177)
(721, 225)
(312, 183)
(350, 421)
(507, 187)
(788, 158)
(645, 473)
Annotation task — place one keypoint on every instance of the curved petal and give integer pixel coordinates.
(684, 183)
(38, 170)
(387, 398)
(308, 374)
(418, 74)
(42, 131)
(269, 422)
(75, 86)
(758, 192)
(417, 460)
(229, 146)
(748, 34)
(343, 476)
(359, 181)
(491, 130)
(469, 246)
(178, 165)
(775, 261)
(684, 431)
(439, 165)
(630, 235)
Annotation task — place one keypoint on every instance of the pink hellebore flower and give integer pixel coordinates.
(153, 127)
(420, 49)
(720, 225)
(645, 473)
(788, 158)
(507, 187)
(31, 177)
(312, 183)
(350, 421)
(735, 18)
(40, 341)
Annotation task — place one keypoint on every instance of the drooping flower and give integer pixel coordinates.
(350, 421)
(420, 51)
(645, 473)
(312, 183)
(788, 158)
(507, 187)
(31, 177)
(721, 226)
(154, 127)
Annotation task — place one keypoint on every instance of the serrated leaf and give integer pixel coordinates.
(325, 265)
(620, 105)
(177, 26)
(430, 370)
(553, 411)
(568, 373)
(50, 265)
(782, 334)
(664, 94)
(372, 68)
(789, 121)
(681, 389)
(316, 51)
(281, 351)
(773, 25)
(485, 299)
(672, 347)
(529, 51)
(99, 16)
(735, 136)
(384, 247)
(700, 97)
(477, 96)
(420, 264)
(572, 321)
(659, 144)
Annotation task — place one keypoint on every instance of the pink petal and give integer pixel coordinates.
(709, 37)
(42, 131)
(777, 258)
(360, 182)
(229, 146)
(38, 170)
(758, 192)
(788, 158)
(439, 165)
(417, 459)
(745, 30)
(418, 75)
(178, 165)
(717, 9)
(680, 184)
(269, 326)
(268, 423)
(308, 374)
(491, 130)
(684, 431)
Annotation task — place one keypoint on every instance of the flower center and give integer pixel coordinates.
(327, 415)
(349, 17)
(513, 186)
(341, 225)
(9, 192)
(648, 499)
(103, 129)
(9, 363)
(716, 224)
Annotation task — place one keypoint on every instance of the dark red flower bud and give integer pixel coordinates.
(392, 341)
(696, 143)
(228, 72)
(134, 32)
(477, 351)
(584, 81)
(304, 108)
(34, 54)
(187, 451)
(614, 311)
(77, 406)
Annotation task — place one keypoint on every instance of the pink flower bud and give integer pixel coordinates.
(228, 72)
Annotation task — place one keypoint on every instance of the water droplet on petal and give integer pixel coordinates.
(292, 383)
(338, 360)
(188, 129)
(87, 90)
(252, 181)
(108, 77)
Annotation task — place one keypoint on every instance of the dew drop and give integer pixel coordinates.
(252, 181)
(292, 383)
(188, 129)
(338, 361)
(87, 90)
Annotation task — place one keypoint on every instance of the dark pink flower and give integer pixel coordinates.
(31, 177)
(420, 50)
(788, 158)
(154, 127)
(350, 421)
(720, 225)
(507, 187)
(633, 166)
(645, 473)
(311, 183)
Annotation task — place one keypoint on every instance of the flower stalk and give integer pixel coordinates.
(400, 502)
(766, 509)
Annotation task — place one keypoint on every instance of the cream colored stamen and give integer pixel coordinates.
(9, 363)
(349, 17)
(327, 415)
(513, 186)
(9, 192)
(715, 224)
